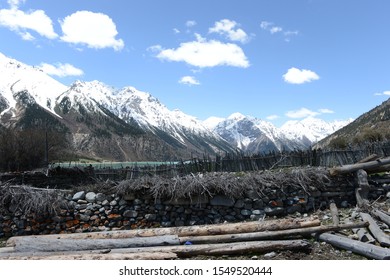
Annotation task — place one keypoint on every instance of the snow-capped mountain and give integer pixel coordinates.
(134, 106)
(93, 109)
(128, 124)
(311, 129)
(18, 79)
(255, 135)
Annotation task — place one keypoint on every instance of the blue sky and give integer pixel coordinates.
(272, 59)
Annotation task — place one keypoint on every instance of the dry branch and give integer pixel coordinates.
(30, 200)
(231, 184)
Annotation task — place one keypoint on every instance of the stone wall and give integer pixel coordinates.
(90, 211)
(97, 212)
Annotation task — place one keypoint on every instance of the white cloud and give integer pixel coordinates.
(204, 53)
(27, 36)
(96, 30)
(326, 111)
(297, 76)
(275, 29)
(176, 31)
(301, 113)
(61, 70)
(304, 113)
(266, 25)
(190, 23)
(189, 80)
(15, 3)
(228, 28)
(272, 117)
(291, 33)
(20, 21)
(270, 27)
(386, 92)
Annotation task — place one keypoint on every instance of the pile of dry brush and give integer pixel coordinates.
(27, 199)
(231, 184)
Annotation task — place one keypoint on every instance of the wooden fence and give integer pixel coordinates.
(240, 163)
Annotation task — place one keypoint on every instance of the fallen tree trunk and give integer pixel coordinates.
(371, 165)
(270, 225)
(382, 168)
(364, 249)
(383, 239)
(382, 216)
(362, 191)
(96, 256)
(372, 157)
(266, 235)
(185, 251)
(28, 243)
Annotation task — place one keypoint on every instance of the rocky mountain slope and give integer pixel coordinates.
(369, 127)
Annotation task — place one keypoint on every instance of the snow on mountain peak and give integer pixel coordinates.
(17, 77)
(236, 116)
(212, 122)
(312, 128)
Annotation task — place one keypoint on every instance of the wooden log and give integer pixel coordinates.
(7, 250)
(364, 235)
(184, 231)
(381, 216)
(369, 158)
(364, 249)
(96, 256)
(382, 168)
(267, 235)
(335, 214)
(184, 251)
(362, 191)
(380, 236)
(371, 165)
(30, 243)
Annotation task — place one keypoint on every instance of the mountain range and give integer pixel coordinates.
(103, 122)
